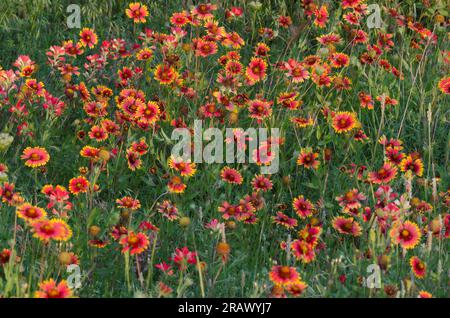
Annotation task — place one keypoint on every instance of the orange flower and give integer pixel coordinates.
(344, 122)
(308, 159)
(49, 289)
(231, 175)
(424, 294)
(346, 226)
(444, 85)
(134, 160)
(144, 54)
(30, 213)
(413, 165)
(303, 207)
(256, 70)
(88, 37)
(128, 203)
(78, 185)
(148, 113)
(135, 243)
(98, 133)
(321, 16)
(418, 267)
(165, 74)
(284, 275)
(35, 157)
(406, 234)
(55, 229)
(186, 169)
(384, 175)
(176, 185)
(137, 12)
(303, 251)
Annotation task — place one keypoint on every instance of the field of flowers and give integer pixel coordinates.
(95, 204)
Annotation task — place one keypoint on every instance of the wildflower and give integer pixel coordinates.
(128, 203)
(137, 12)
(424, 294)
(351, 200)
(168, 210)
(176, 185)
(256, 70)
(347, 226)
(50, 289)
(284, 275)
(165, 74)
(135, 243)
(284, 220)
(186, 169)
(413, 165)
(308, 159)
(321, 16)
(148, 113)
(303, 207)
(88, 37)
(261, 183)
(78, 185)
(35, 157)
(231, 175)
(418, 267)
(134, 160)
(407, 234)
(182, 257)
(384, 175)
(30, 213)
(55, 229)
(303, 251)
(444, 85)
(344, 122)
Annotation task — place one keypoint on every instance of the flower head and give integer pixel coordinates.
(35, 157)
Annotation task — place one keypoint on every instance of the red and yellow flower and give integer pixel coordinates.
(135, 243)
(50, 289)
(137, 11)
(407, 234)
(35, 157)
(418, 267)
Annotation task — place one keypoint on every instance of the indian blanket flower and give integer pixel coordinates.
(418, 267)
(165, 74)
(344, 122)
(321, 16)
(133, 159)
(413, 165)
(284, 275)
(303, 207)
(444, 85)
(88, 37)
(303, 251)
(284, 220)
(424, 294)
(296, 71)
(231, 175)
(135, 243)
(256, 70)
(168, 210)
(261, 183)
(347, 226)
(137, 11)
(186, 169)
(176, 185)
(78, 185)
(30, 212)
(308, 159)
(54, 229)
(351, 200)
(128, 202)
(35, 157)
(407, 234)
(148, 113)
(51, 289)
(383, 175)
